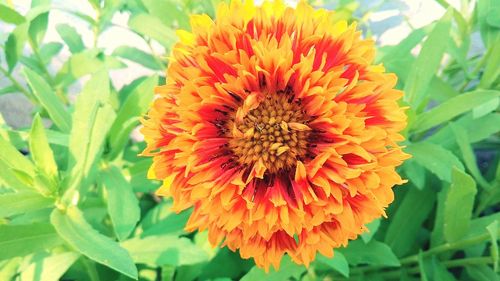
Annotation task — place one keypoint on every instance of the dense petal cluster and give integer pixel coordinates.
(277, 128)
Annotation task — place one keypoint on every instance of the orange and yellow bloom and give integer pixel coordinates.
(278, 129)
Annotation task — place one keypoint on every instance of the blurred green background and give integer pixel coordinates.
(75, 202)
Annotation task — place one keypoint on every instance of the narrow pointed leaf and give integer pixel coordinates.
(14, 159)
(40, 150)
(49, 268)
(76, 231)
(493, 231)
(22, 202)
(48, 99)
(164, 250)
(92, 119)
(453, 108)
(123, 206)
(9, 15)
(134, 106)
(435, 158)
(21, 240)
(70, 37)
(428, 61)
(458, 206)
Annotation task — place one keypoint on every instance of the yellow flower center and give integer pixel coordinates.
(275, 132)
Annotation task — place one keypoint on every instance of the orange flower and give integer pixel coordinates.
(276, 127)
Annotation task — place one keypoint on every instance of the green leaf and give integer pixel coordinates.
(127, 89)
(138, 56)
(452, 108)
(9, 15)
(493, 231)
(481, 273)
(485, 108)
(48, 99)
(489, 33)
(78, 65)
(405, 223)
(404, 47)
(428, 61)
(434, 158)
(21, 240)
(491, 70)
(88, 61)
(123, 206)
(32, 63)
(493, 19)
(8, 268)
(459, 50)
(40, 150)
(154, 28)
(37, 28)
(338, 263)
(168, 12)
(478, 225)
(72, 227)
(164, 250)
(458, 206)
(372, 229)
(71, 37)
(421, 267)
(415, 173)
(40, 4)
(56, 137)
(138, 177)
(468, 154)
(437, 237)
(14, 159)
(14, 46)
(9, 179)
(287, 270)
(134, 106)
(92, 119)
(234, 266)
(22, 202)
(475, 133)
(373, 253)
(49, 50)
(441, 90)
(433, 270)
(48, 268)
(172, 224)
(11, 53)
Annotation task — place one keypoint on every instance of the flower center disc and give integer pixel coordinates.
(275, 132)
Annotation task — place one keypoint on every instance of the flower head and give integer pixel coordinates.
(277, 128)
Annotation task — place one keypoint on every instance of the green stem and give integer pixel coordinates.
(408, 261)
(50, 80)
(447, 247)
(485, 200)
(416, 269)
(468, 261)
(476, 70)
(396, 274)
(38, 57)
(16, 84)
(96, 28)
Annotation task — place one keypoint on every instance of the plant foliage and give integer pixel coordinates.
(75, 202)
